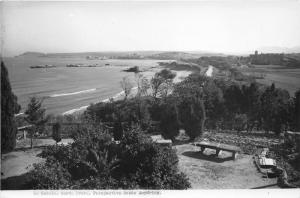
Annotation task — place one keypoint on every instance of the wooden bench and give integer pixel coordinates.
(158, 139)
(218, 147)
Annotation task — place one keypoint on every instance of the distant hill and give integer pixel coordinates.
(94, 54)
(32, 54)
(289, 60)
(162, 55)
(173, 55)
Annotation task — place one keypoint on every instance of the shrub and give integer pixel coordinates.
(147, 164)
(50, 175)
(94, 161)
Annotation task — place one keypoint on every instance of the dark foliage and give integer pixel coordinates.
(297, 110)
(56, 132)
(134, 69)
(51, 176)
(35, 115)
(94, 161)
(275, 107)
(231, 105)
(9, 107)
(169, 121)
(147, 164)
(122, 114)
(200, 102)
(159, 83)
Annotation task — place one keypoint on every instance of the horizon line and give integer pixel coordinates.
(288, 51)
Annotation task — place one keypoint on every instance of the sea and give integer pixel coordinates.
(66, 90)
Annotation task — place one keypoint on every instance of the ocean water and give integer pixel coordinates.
(67, 89)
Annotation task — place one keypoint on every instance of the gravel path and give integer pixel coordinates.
(21, 160)
(208, 172)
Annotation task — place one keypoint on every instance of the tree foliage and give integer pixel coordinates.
(199, 102)
(35, 115)
(56, 132)
(169, 119)
(297, 110)
(275, 106)
(161, 83)
(94, 161)
(9, 107)
(127, 86)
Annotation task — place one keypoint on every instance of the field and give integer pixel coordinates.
(283, 77)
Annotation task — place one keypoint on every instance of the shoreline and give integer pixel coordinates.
(180, 75)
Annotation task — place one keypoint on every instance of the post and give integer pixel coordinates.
(24, 134)
(31, 141)
(202, 148)
(217, 152)
(234, 155)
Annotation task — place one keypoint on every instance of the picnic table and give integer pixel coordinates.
(218, 147)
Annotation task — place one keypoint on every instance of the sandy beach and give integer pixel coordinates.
(180, 75)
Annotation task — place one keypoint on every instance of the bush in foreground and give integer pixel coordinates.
(94, 161)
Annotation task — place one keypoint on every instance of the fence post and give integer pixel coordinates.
(24, 134)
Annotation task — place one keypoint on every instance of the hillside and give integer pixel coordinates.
(162, 55)
(180, 55)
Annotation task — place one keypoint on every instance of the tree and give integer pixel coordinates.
(56, 132)
(252, 104)
(35, 115)
(192, 116)
(233, 99)
(142, 84)
(297, 110)
(164, 77)
(155, 84)
(169, 119)
(166, 74)
(9, 107)
(127, 86)
(191, 108)
(275, 109)
(213, 103)
(240, 122)
(166, 88)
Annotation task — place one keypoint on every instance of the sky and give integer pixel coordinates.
(218, 26)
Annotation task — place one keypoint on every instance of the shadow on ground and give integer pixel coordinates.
(29, 148)
(16, 182)
(202, 156)
(180, 142)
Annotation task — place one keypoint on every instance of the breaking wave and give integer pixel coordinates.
(115, 97)
(75, 110)
(73, 93)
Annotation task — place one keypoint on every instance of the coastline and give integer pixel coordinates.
(180, 75)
